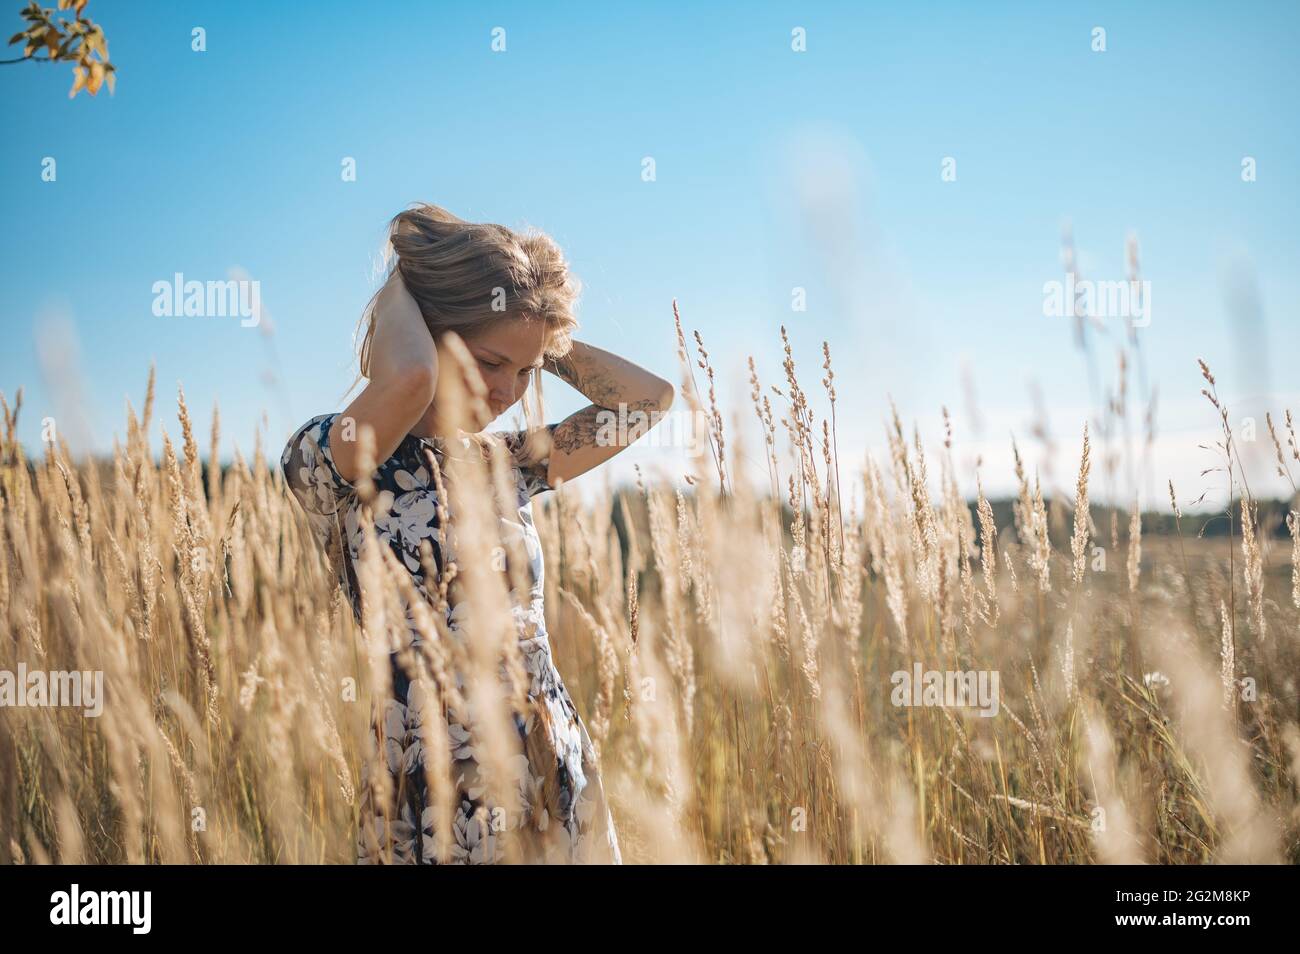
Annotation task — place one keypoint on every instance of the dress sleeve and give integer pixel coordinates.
(533, 471)
(308, 467)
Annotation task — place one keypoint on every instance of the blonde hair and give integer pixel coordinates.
(467, 276)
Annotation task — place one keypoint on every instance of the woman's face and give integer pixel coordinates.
(506, 356)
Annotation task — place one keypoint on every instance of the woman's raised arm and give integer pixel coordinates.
(626, 402)
(403, 372)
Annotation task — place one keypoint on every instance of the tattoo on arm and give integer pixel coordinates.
(619, 412)
(577, 430)
(563, 368)
(584, 429)
(597, 382)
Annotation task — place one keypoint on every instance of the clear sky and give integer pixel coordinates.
(774, 170)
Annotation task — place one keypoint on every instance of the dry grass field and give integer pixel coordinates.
(733, 654)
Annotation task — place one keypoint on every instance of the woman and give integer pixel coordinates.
(509, 298)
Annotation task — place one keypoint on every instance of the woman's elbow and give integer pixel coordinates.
(417, 384)
(666, 397)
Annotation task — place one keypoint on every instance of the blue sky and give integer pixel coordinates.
(775, 169)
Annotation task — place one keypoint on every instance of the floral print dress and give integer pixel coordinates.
(558, 779)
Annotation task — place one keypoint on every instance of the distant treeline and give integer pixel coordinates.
(1206, 523)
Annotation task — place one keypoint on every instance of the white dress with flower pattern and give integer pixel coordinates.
(406, 513)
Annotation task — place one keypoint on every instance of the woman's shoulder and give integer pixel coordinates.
(308, 466)
(313, 427)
